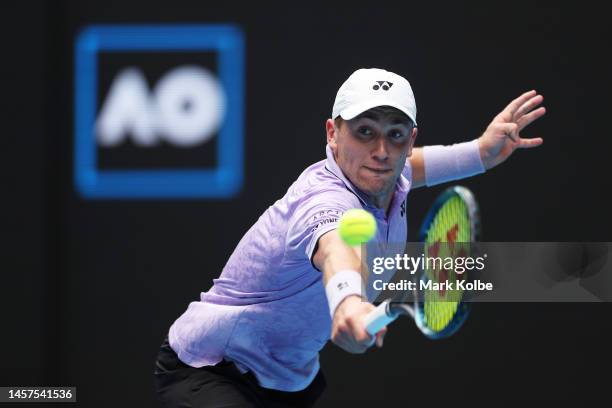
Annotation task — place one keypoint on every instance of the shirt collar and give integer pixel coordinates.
(402, 186)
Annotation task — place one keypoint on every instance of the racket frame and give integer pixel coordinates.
(390, 310)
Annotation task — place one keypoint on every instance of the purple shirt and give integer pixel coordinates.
(268, 311)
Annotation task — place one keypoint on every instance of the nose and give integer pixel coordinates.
(381, 152)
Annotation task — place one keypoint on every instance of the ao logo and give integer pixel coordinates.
(185, 108)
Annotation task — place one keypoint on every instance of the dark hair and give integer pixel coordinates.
(338, 121)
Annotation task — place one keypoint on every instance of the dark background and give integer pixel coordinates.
(90, 288)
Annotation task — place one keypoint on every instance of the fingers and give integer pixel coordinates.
(347, 342)
(361, 338)
(380, 337)
(510, 110)
(510, 130)
(529, 143)
(348, 328)
(530, 117)
(352, 345)
(527, 106)
(350, 334)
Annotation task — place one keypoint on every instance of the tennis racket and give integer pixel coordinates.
(453, 221)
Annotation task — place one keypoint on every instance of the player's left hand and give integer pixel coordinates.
(502, 136)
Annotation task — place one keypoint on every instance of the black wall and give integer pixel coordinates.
(91, 287)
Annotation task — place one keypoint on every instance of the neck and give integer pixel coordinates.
(382, 201)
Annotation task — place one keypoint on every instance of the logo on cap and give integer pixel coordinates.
(385, 85)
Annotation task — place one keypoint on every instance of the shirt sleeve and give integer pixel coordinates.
(314, 217)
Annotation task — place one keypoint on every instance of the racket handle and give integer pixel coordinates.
(379, 318)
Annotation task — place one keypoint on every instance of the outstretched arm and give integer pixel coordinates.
(499, 140)
(348, 330)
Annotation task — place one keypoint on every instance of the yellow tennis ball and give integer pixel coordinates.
(357, 226)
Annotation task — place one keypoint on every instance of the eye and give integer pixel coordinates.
(396, 134)
(364, 131)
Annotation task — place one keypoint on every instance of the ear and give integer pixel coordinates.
(330, 130)
(412, 139)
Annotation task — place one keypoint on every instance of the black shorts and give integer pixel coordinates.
(222, 385)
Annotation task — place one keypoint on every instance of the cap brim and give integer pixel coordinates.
(359, 108)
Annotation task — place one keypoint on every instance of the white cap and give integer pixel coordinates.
(368, 88)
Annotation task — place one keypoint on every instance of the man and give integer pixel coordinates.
(291, 284)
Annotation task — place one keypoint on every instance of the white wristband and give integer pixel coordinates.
(341, 285)
(446, 163)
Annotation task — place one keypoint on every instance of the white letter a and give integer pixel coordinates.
(127, 111)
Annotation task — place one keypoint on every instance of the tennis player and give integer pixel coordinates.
(253, 339)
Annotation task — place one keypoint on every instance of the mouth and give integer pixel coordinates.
(376, 170)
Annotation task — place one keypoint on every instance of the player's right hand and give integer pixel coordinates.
(348, 329)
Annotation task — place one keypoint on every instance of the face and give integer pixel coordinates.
(372, 149)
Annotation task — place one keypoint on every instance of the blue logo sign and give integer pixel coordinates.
(191, 106)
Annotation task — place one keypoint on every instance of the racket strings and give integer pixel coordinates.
(450, 225)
